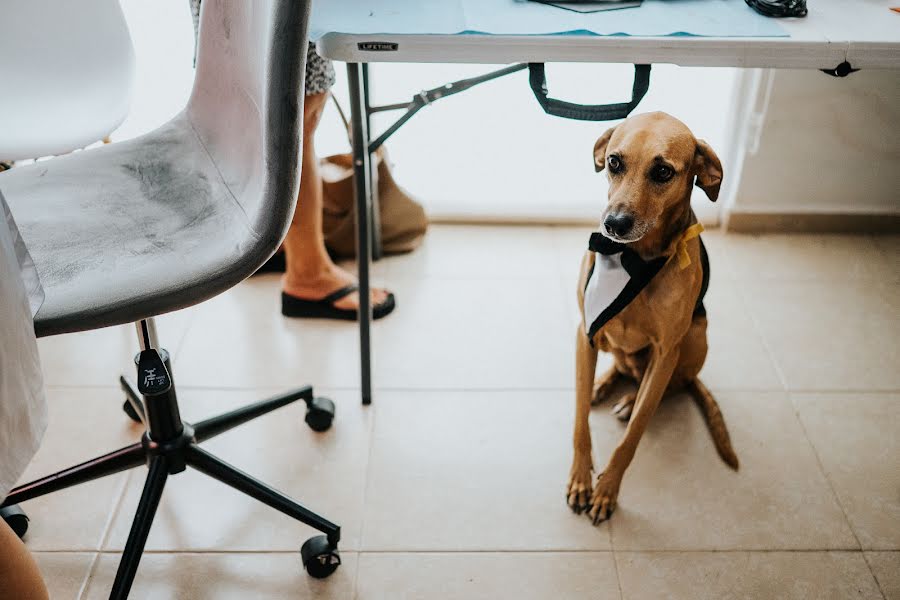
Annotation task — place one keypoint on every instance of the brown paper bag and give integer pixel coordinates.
(402, 219)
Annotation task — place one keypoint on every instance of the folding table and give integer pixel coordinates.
(836, 36)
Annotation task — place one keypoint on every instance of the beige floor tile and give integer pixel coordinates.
(64, 572)
(855, 436)
(830, 336)
(428, 288)
(886, 568)
(478, 252)
(99, 357)
(717, 242)
(678, 494)
(84, 423)
(472, 333)
(224, 577)
(487, 575)
(737, 358)
(240, 339)
(325, 472)
(889, 246)
(473, 471)
(806, 257)
(745, 576)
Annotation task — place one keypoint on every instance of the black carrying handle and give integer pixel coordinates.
(587, 112)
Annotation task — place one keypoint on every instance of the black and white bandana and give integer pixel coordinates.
(619, 274)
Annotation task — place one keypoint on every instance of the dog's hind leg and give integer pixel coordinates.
(715, 421)
(604, 384)
(622, 409)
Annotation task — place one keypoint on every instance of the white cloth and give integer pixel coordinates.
(23, 407)
(607, 281)
(616, 278)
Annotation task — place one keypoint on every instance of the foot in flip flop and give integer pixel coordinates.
(325, 308)
(328, 293)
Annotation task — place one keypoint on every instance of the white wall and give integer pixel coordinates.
(826, 144)
(489, 152)
(492, 153)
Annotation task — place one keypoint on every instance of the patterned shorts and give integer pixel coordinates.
(319, 71)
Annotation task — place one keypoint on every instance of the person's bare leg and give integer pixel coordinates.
(310, 273)
(20, 578)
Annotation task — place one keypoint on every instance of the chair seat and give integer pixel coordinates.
(129, 230)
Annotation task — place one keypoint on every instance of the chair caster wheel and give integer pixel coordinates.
(320, 414)
(129, 410)
(320, 559)
(16, 518)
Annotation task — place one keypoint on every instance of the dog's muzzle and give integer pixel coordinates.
(619, 224)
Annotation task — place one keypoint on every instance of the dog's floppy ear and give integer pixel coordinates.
(708, 170)
(600, 149)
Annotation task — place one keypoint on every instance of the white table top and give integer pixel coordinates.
(865, 33)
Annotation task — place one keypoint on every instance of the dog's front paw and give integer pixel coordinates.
(603, 500)
(578, 492)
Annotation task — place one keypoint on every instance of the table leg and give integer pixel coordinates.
(362, 189)
(375, 213)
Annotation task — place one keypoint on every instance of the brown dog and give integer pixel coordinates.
(659, 338)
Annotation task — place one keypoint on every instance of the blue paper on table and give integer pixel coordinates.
(719, 18)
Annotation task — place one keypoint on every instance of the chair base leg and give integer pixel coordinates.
(122, 459)
(216, 468)
(140, 528)
(213, 426)
(170, 456)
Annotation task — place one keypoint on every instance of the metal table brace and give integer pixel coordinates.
(367, 238)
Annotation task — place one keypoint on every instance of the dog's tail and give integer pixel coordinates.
(715, 421)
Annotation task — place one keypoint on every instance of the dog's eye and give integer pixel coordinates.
(615, 164)
(661, 173)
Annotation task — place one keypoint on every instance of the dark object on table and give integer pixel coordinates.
(779, 8)
(590, 6)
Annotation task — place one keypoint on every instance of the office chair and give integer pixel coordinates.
(68, 74)
(131, 230)
(73, 77)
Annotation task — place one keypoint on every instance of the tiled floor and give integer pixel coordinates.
(451, 484)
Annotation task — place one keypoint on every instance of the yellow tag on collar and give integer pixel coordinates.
(684, 259)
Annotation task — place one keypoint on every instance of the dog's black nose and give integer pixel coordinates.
(618, 224)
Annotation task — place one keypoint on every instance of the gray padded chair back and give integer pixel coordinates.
(142, 227)
(245, 107)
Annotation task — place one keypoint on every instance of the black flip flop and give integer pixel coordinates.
(292, 306)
